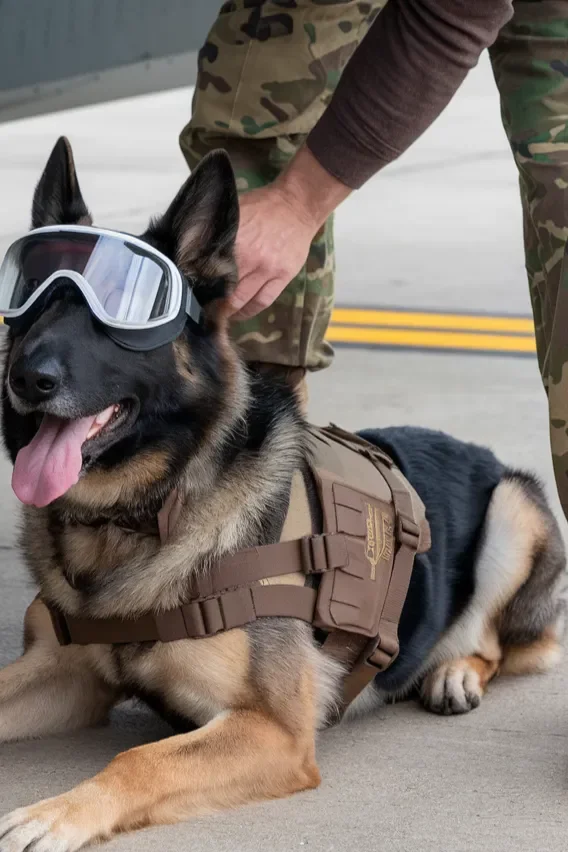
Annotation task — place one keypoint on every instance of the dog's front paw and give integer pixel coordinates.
(452, 688)
(53, 825)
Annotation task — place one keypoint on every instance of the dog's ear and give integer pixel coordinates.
(199, 228)
(58, 199)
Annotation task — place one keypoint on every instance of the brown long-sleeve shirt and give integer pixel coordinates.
(405, 71)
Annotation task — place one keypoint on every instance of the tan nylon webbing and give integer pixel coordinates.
(195, 620)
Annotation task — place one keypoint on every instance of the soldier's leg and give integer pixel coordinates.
(530, 62)
(265, 76)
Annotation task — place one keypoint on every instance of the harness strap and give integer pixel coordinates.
(309, 555)
(196, 620)
(217, 603)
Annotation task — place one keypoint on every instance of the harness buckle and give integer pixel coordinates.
(323, 553)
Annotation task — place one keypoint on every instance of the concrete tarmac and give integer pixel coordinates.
(440, 230)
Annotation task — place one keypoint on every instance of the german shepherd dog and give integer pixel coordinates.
(191, 415)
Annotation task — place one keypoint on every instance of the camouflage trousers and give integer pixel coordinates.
(530, 63)
(267, 72)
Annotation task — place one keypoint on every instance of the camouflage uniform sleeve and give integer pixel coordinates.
(400, 78)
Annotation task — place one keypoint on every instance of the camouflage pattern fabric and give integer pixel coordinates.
(266, 73)
(530, 63)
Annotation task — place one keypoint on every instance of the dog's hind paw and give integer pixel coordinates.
(452, 688)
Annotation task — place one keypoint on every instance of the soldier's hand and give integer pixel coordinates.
(277, 225)
(272, 246)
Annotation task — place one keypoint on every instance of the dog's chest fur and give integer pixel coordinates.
(194, 680)
(75, 563)
(104, 570)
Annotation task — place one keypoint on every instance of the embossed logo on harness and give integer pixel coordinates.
(379, 539)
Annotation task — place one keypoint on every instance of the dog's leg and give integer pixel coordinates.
(535, 657)
(50, 689)
(458, 685)
(241, 756)
(514, 620)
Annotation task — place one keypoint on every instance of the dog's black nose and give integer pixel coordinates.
(36, 377)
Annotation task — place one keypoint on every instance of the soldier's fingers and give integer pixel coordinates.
(259, 300)
(246, 289)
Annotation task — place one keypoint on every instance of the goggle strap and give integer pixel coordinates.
(192, 306)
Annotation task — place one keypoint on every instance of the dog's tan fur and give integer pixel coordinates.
(259, 694)
(259, 713)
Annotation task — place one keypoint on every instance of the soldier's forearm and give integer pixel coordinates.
(312, 191)
(403, 74)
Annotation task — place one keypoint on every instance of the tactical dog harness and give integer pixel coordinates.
(349, 582)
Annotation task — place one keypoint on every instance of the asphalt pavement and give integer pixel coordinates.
(439, 230)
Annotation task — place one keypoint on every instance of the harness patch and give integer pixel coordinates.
(379, 539)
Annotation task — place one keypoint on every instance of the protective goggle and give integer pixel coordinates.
(136, 293)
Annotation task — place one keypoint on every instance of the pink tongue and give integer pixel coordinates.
(51, 463)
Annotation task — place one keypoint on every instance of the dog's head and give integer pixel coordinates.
(148, 411)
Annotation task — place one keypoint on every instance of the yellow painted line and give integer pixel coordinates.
(420, 329)
(421, 319)
(430, 339)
